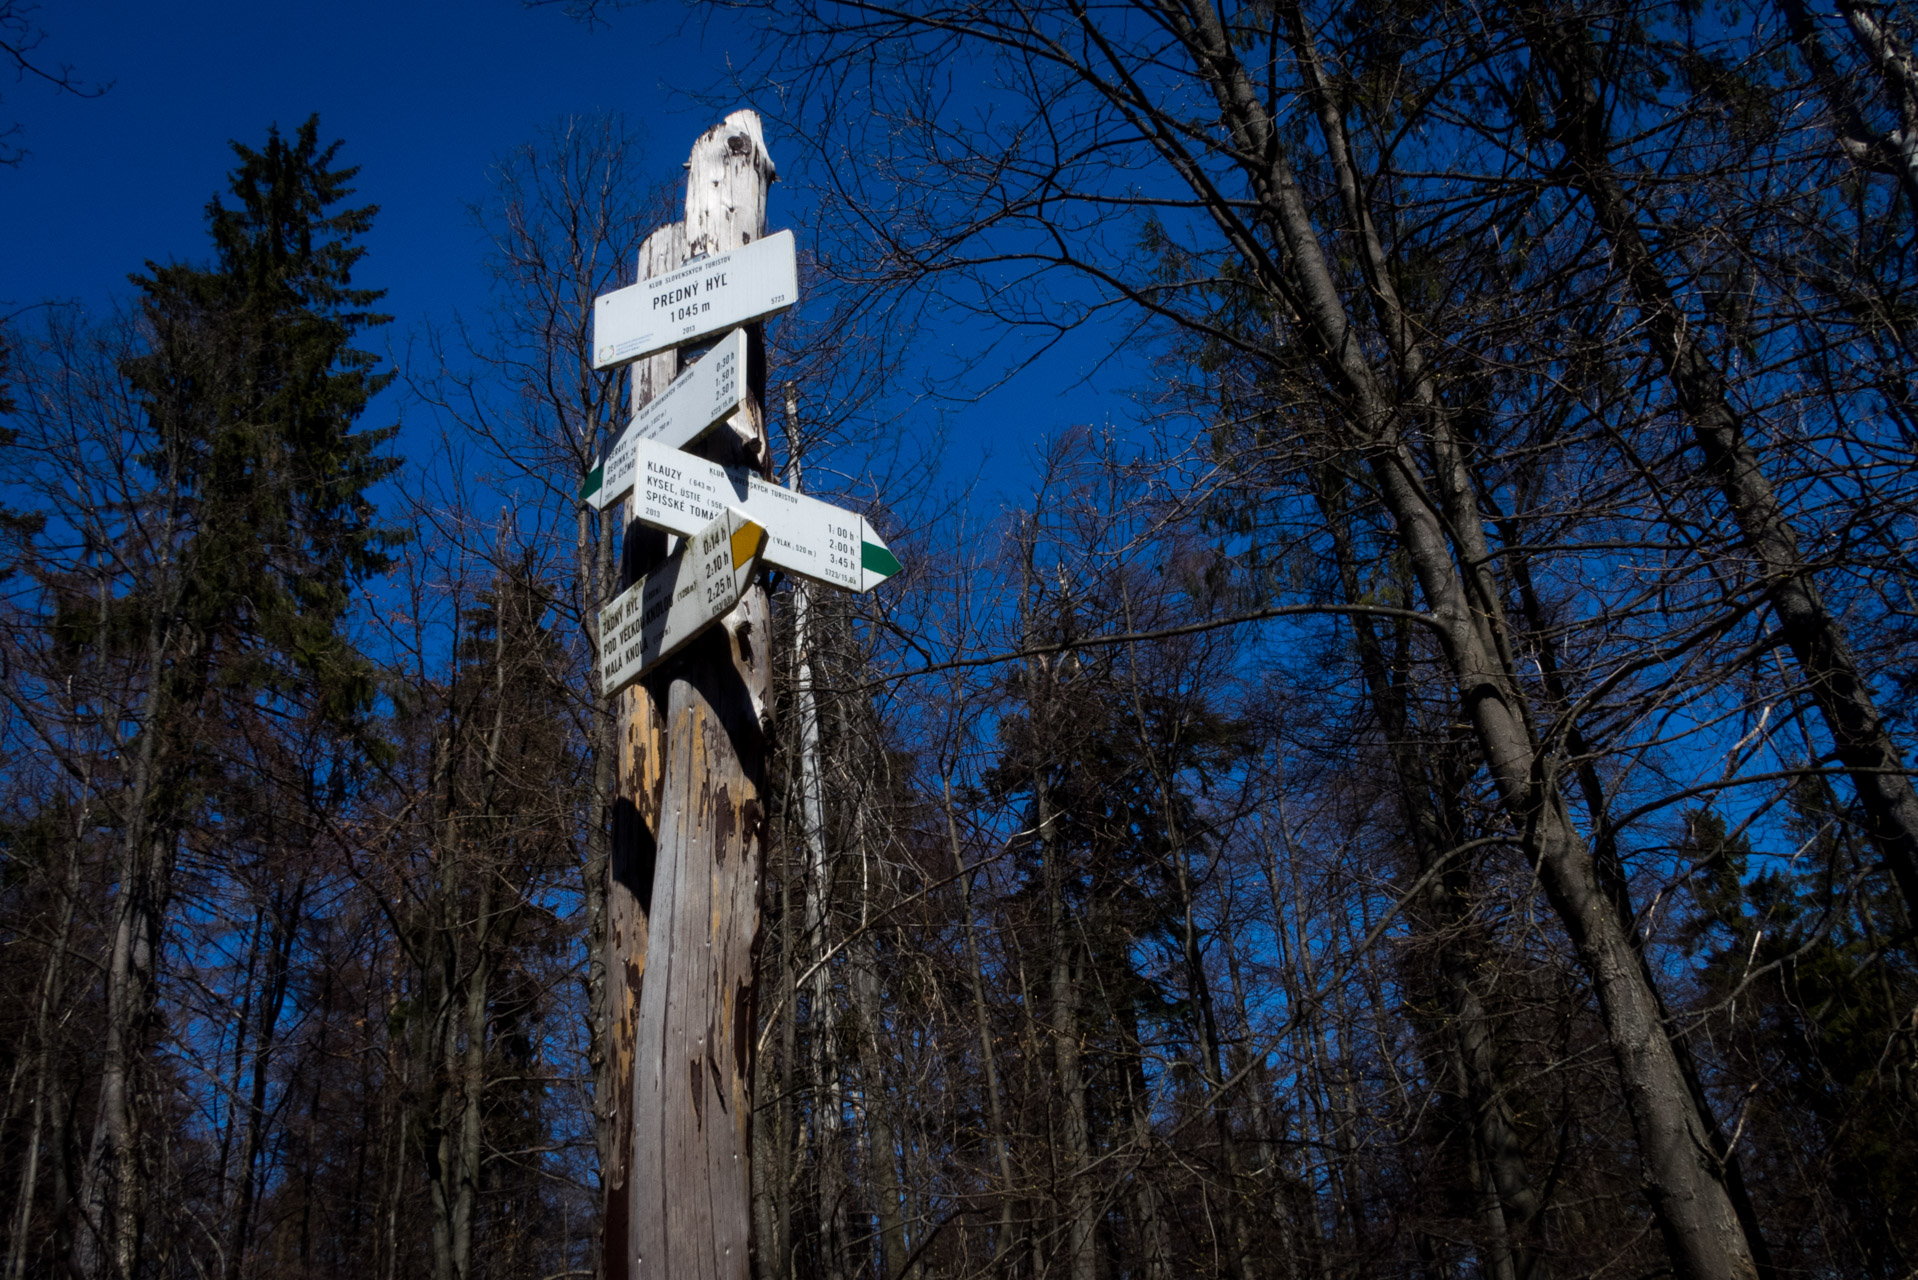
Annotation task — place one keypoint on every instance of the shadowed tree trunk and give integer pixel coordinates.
(691, 1180)
(639, 763)
(1814, 634)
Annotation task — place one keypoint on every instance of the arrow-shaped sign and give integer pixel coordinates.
(655, 617)
(707, 295)
(680, 493)
(711, 391)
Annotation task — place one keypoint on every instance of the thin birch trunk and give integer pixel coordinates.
(827, 1101)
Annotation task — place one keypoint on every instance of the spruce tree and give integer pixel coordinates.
(1808, 977)
(254, 388)
(259, 526)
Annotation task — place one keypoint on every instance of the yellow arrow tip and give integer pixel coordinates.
(749, 540)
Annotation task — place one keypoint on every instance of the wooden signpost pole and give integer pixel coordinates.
(688, 1182)
(641, 731)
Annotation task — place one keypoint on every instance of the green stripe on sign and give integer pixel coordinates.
(878, 560)
(593, 479)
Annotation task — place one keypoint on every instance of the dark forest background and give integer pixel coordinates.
(1427, 796)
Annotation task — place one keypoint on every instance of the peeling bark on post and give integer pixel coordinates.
(690, 1178)
(629, 874)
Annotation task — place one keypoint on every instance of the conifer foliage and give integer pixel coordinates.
(253, 390)
(178, 656)
(1430, 796)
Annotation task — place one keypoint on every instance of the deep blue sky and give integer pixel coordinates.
(425, 93)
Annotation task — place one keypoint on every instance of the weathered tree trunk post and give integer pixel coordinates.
(689, 1181)
(640, 753)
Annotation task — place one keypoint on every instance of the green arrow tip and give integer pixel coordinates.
(876, 559)
(593, 479)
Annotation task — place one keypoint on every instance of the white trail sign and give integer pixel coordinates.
(708, 393)
(707, 295)
(680, 493)
(655, 617)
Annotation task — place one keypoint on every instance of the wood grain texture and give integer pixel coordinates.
(641, 754)
(691, 1178)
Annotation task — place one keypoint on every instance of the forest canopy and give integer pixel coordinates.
(1427, 793)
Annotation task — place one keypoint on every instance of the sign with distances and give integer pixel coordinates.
(680, 493)
(707, 295)
(655, 617)
(708, 393)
